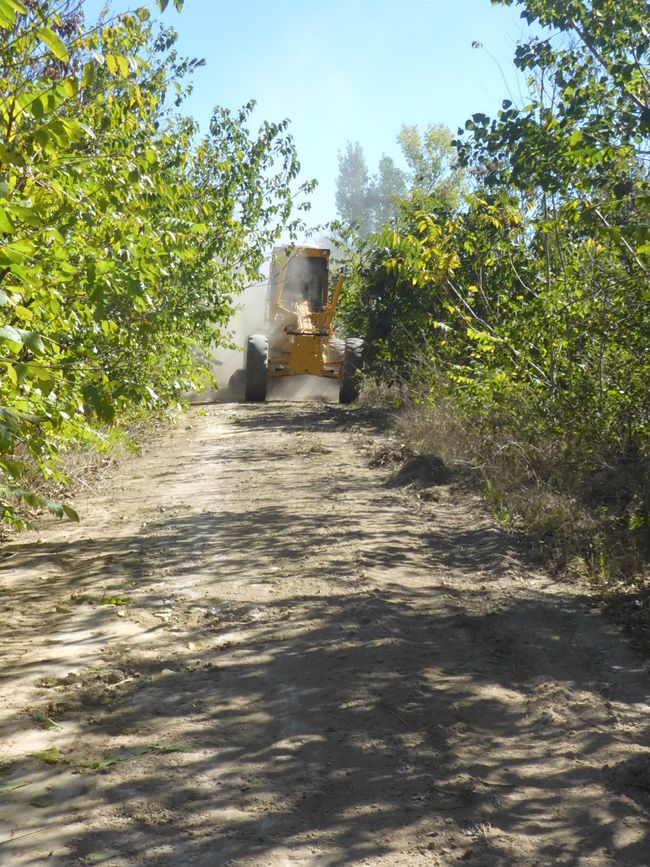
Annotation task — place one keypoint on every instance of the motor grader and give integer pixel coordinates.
(298, 337)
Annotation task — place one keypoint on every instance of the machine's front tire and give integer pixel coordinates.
(349, 389)
(257, 367)
(237, 382)
(336, 352)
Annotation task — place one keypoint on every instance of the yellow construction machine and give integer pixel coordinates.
(298, 337)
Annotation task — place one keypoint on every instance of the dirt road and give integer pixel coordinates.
(263, 647)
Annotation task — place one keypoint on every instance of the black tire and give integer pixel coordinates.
(336, 350)
(237, 383)
(257, 366)
(349, 390)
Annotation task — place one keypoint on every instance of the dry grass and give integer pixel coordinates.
(579, 514)
(89, 463)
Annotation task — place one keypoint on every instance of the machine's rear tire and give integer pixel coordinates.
(257, 366)
(349, 389)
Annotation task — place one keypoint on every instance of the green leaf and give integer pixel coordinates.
(134, 753)
(7, 17)
(54, 507)
(15, 784)
(23, 246)
(171, 748)
(59, 131)
(45, 721)
(23, 313)
(70, 87)
(111, 62)
(90, 71)
(75, 130)
(16, 251)
(28, 215)
(100, 856)
(70, 512)
(8, 10)
(13, 468)
(104, 409)
(33, 340)
(36, 501)
(54, 43)
(36, 108)
(105, 762)
(162, 4)
(10, 155)
(7, 332)
(51, 756)
(6, 225)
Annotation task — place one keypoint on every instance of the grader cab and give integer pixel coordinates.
(298, 338)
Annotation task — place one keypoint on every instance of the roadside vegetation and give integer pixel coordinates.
(124, 234)
(506, 302)
(500, 279)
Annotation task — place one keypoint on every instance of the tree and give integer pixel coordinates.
(577, 157)
(395, 287)
(386, 192)
(366, 201)
(123, 238)
(352, 187)
(528, 305)
(435, 178)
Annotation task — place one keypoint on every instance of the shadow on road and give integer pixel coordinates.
(339, 722)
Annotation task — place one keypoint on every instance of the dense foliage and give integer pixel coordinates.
(529, 303)
(123, 235)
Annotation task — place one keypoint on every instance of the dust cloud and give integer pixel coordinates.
(249, 318)
(304, 387)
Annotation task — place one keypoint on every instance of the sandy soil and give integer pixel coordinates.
(270, 643)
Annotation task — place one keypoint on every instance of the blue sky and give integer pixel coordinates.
(348, 69)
